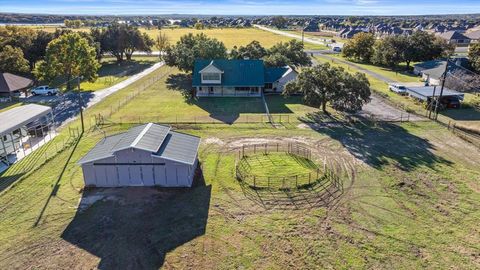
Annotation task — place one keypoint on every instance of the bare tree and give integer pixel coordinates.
(161, 43)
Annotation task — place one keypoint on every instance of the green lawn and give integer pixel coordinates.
(112, 72)
(411, 201)
(277, 165)
(170, 101)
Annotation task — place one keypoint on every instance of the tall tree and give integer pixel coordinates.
(253, 50)
(123, 40)
(69, 55)
(360, 47)
(291, 51)
(191, 47)
(423, 46)
(474, 56)
(325, 84)
(12, 60)
(161, 43)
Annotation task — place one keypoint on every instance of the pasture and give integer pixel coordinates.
(229, 36)
(410, 201)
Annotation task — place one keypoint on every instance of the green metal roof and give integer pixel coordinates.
(273, 74)
(235, 72)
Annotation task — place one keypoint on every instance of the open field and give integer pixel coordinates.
(229, 36)
(411, 200)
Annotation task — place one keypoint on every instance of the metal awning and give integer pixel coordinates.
(20, 116)
(426, 92)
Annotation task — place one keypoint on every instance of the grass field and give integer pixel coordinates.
(411, 201)
(277, 165)
(4, 106)
(229, 36)
(112, 73)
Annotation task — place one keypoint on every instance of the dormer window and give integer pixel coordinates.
(211, 76)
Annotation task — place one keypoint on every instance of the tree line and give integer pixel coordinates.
(393, 50)
(200, 46)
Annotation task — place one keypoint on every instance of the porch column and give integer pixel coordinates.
(5, 150)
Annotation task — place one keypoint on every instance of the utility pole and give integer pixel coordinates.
(444, 77)
(430, 107)
(80, 102)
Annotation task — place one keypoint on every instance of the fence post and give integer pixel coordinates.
(254, 181)
(254, 148)
(265, 149)
(296, 181)
(309, 178)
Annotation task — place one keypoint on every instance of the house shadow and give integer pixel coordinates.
(463, 114)
(224, 109)
(134, 228)
(382, 143)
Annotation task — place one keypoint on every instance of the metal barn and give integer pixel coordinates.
(146, 155)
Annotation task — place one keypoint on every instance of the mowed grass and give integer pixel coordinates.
(229, 36)
(412, 202)
(111, 72)
(169, 100)
(277, 164)
(5, 106)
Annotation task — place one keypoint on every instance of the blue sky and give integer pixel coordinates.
(238, 7)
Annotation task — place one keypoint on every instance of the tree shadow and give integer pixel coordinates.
(68, 105)
(125, 68)
(224, 109)
(134, 228)
(463, 114)
(382, 143)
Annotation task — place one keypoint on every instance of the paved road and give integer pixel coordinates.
(299, 37)
(66, 107)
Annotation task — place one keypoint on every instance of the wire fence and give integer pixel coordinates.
(327, 175)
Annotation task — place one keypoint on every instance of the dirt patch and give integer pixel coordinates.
(214, 140)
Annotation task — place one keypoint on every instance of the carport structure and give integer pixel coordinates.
(22, 130)
(428, 93)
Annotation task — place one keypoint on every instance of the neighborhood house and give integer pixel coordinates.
(247, 78)
(146, 155)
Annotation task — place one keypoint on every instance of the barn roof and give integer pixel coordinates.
(180, 147)
(156, 139)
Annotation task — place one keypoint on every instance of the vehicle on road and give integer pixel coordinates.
(397, 88)
(44, 90)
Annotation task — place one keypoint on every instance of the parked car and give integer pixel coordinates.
(44, 90)
(337, 49)
(397, 88)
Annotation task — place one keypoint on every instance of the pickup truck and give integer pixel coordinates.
(397, 88)
(44, 90)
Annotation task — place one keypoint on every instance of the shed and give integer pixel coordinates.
(146, 155)
(11, 84)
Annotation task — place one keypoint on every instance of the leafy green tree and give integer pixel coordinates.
(191, 47)
(474, 56)
(123, 40)
(360, 47)
(423, 46)
(38, 48)
(323, 84)
(253, 50)
(199, 26)
(69, 55)
(390, 51)
(288, 53)
(12, 60)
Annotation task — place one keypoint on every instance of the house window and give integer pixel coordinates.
(211, 76)
(268, 86)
